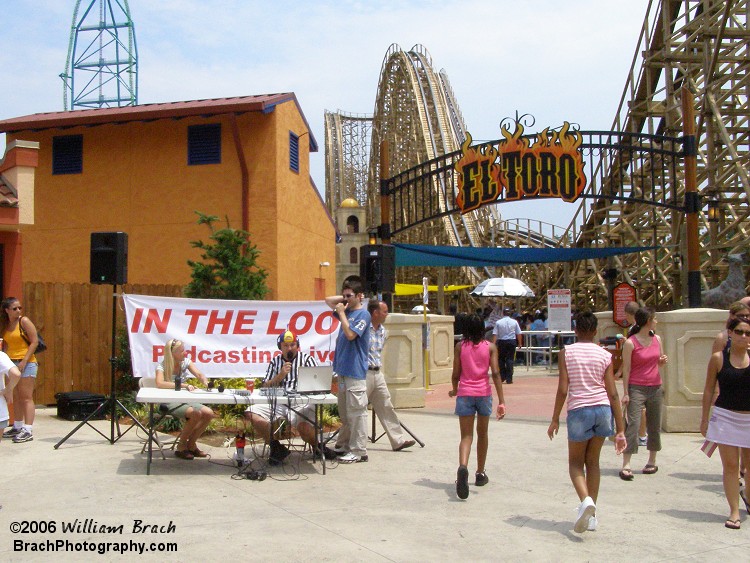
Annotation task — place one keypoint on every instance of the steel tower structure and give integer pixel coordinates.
(101, 69)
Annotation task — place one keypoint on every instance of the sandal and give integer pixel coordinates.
(198, 453)
(627, 475)
(732, 524)
(184, 454)
(650, 469)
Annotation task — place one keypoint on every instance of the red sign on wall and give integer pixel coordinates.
(623, 294)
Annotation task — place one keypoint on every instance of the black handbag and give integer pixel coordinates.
(40, 346)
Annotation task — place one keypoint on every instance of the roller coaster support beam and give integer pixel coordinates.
(385, 209)
(384, 230)
(692, 199)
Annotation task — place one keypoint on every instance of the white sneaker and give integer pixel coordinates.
(351, 458)
(643, 441)
(586, 510)
(593, 524)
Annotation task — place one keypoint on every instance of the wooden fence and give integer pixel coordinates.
(76, 323)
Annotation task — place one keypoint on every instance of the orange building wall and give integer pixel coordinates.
(298, 234)
(136, 179)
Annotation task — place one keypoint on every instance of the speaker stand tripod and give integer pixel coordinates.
(112, 404)
(374, 437)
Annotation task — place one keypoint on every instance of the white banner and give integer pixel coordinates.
(559, 309)
(225, 338)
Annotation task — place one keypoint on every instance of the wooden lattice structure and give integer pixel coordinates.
(700, 44)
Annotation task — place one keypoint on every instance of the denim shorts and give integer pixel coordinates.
(586, 422)
(30, 369)
(468, 406)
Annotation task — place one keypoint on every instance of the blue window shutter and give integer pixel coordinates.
(204, 144)
(67, 154)
(293, 152)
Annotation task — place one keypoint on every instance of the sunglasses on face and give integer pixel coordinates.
(19, 308)
(347, 295)
(745, 333)
(743, 317)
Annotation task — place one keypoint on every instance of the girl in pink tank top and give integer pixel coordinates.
(473, 358)
(641, 358)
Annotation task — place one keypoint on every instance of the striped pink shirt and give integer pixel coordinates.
(586, 363)
(475, 364)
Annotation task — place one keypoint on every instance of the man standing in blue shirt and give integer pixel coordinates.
(350, 365)
(506, 336)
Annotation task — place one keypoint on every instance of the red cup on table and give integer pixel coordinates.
(250, 385)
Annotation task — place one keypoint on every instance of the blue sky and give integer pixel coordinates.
(555, 60)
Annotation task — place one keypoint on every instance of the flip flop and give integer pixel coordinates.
(627, 475)
(732, 524)
(650, 469)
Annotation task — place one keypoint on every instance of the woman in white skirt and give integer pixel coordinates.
(729, 424)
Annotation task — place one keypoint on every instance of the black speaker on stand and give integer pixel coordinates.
(109, 264)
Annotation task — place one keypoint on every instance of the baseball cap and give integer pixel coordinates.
(286, 336)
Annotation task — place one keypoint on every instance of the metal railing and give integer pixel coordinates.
(555, 340)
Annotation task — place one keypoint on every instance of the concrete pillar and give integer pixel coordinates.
(403, 358)
(687, 336)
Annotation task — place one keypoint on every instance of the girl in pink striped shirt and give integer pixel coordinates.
(587, 382)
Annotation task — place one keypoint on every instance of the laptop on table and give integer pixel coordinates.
(314, 379)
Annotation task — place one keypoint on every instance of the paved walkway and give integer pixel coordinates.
(397, 507)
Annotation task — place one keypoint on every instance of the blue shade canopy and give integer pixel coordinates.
(424, 255)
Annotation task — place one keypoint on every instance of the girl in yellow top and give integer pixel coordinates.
(13, 328)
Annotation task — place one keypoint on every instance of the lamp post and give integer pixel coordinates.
(692, 199)
(714, 211)
(372, 236)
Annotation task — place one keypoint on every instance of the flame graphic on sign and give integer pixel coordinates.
(480, 160)
(550, 165)
(562, 147)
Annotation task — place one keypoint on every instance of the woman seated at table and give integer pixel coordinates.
(196, 416)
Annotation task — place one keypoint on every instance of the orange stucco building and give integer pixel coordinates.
(146, 169)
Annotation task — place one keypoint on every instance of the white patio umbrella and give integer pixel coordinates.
(502, 287)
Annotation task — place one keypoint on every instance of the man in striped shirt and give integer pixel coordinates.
(377, 389)
(282, 372)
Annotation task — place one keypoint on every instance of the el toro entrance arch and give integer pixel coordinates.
(563, 163)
